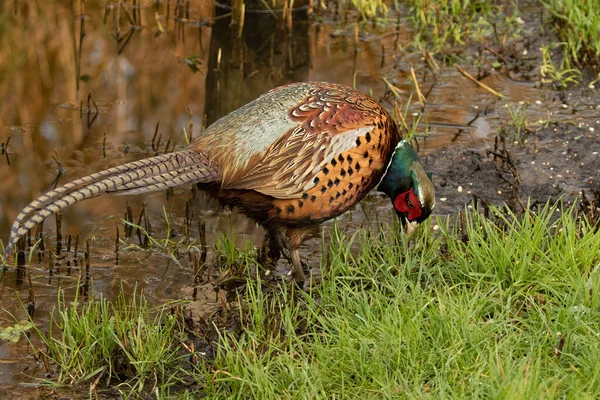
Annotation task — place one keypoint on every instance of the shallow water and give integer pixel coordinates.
(145, 81)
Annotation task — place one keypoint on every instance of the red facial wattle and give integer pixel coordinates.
(408, 203)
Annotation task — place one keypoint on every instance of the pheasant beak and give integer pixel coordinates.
(408, 227)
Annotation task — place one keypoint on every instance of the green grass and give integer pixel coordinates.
(110, 343)
(445, 318)
(506, 307)
(517, 126)
(560, 76)
(442, 25)
(370, 9)
(576, 23)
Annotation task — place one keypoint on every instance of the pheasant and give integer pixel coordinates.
(297, 156)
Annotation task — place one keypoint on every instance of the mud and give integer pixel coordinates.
(559, 161)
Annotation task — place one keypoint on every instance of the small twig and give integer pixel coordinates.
(188, 133)
(139, 223)
(154, 145)
(395, 90)
(167, 146)
(482, 85)
(128, 218)
(86, 284)
(433, 65)
(126, 40)
(4, 146)
(497, 54)
(94, 384)
(127, 12)
(79, 49)
(117, 240)
(416, 83)
(473, 119)
(399, 115)
(58, 234)
(90, 102)
(31, 297)
(76, 250)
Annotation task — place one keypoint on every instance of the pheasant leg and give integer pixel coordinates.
(279, 242)
(293, 240)
(297, 269)
(271, 249)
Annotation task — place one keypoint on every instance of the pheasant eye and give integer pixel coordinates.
(408, 203)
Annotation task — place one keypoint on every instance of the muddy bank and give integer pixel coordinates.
(559, 159)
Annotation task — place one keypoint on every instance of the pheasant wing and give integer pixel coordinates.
(291, 163)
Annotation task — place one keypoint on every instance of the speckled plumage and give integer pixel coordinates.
(296, 156)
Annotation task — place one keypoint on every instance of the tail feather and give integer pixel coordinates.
(161, 182)
(143, 176)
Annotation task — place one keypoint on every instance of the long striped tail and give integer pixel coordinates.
(147, 175)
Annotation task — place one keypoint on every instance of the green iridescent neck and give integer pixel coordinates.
(399, 176)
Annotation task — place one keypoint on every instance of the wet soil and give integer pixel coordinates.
(50, 131)
(555, 162)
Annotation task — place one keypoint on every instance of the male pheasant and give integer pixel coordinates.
(298, 155)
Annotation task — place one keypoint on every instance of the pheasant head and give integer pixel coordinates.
(409, 187)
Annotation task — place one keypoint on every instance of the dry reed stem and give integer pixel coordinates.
(395, 90)
(416, 83)
(480, 84)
